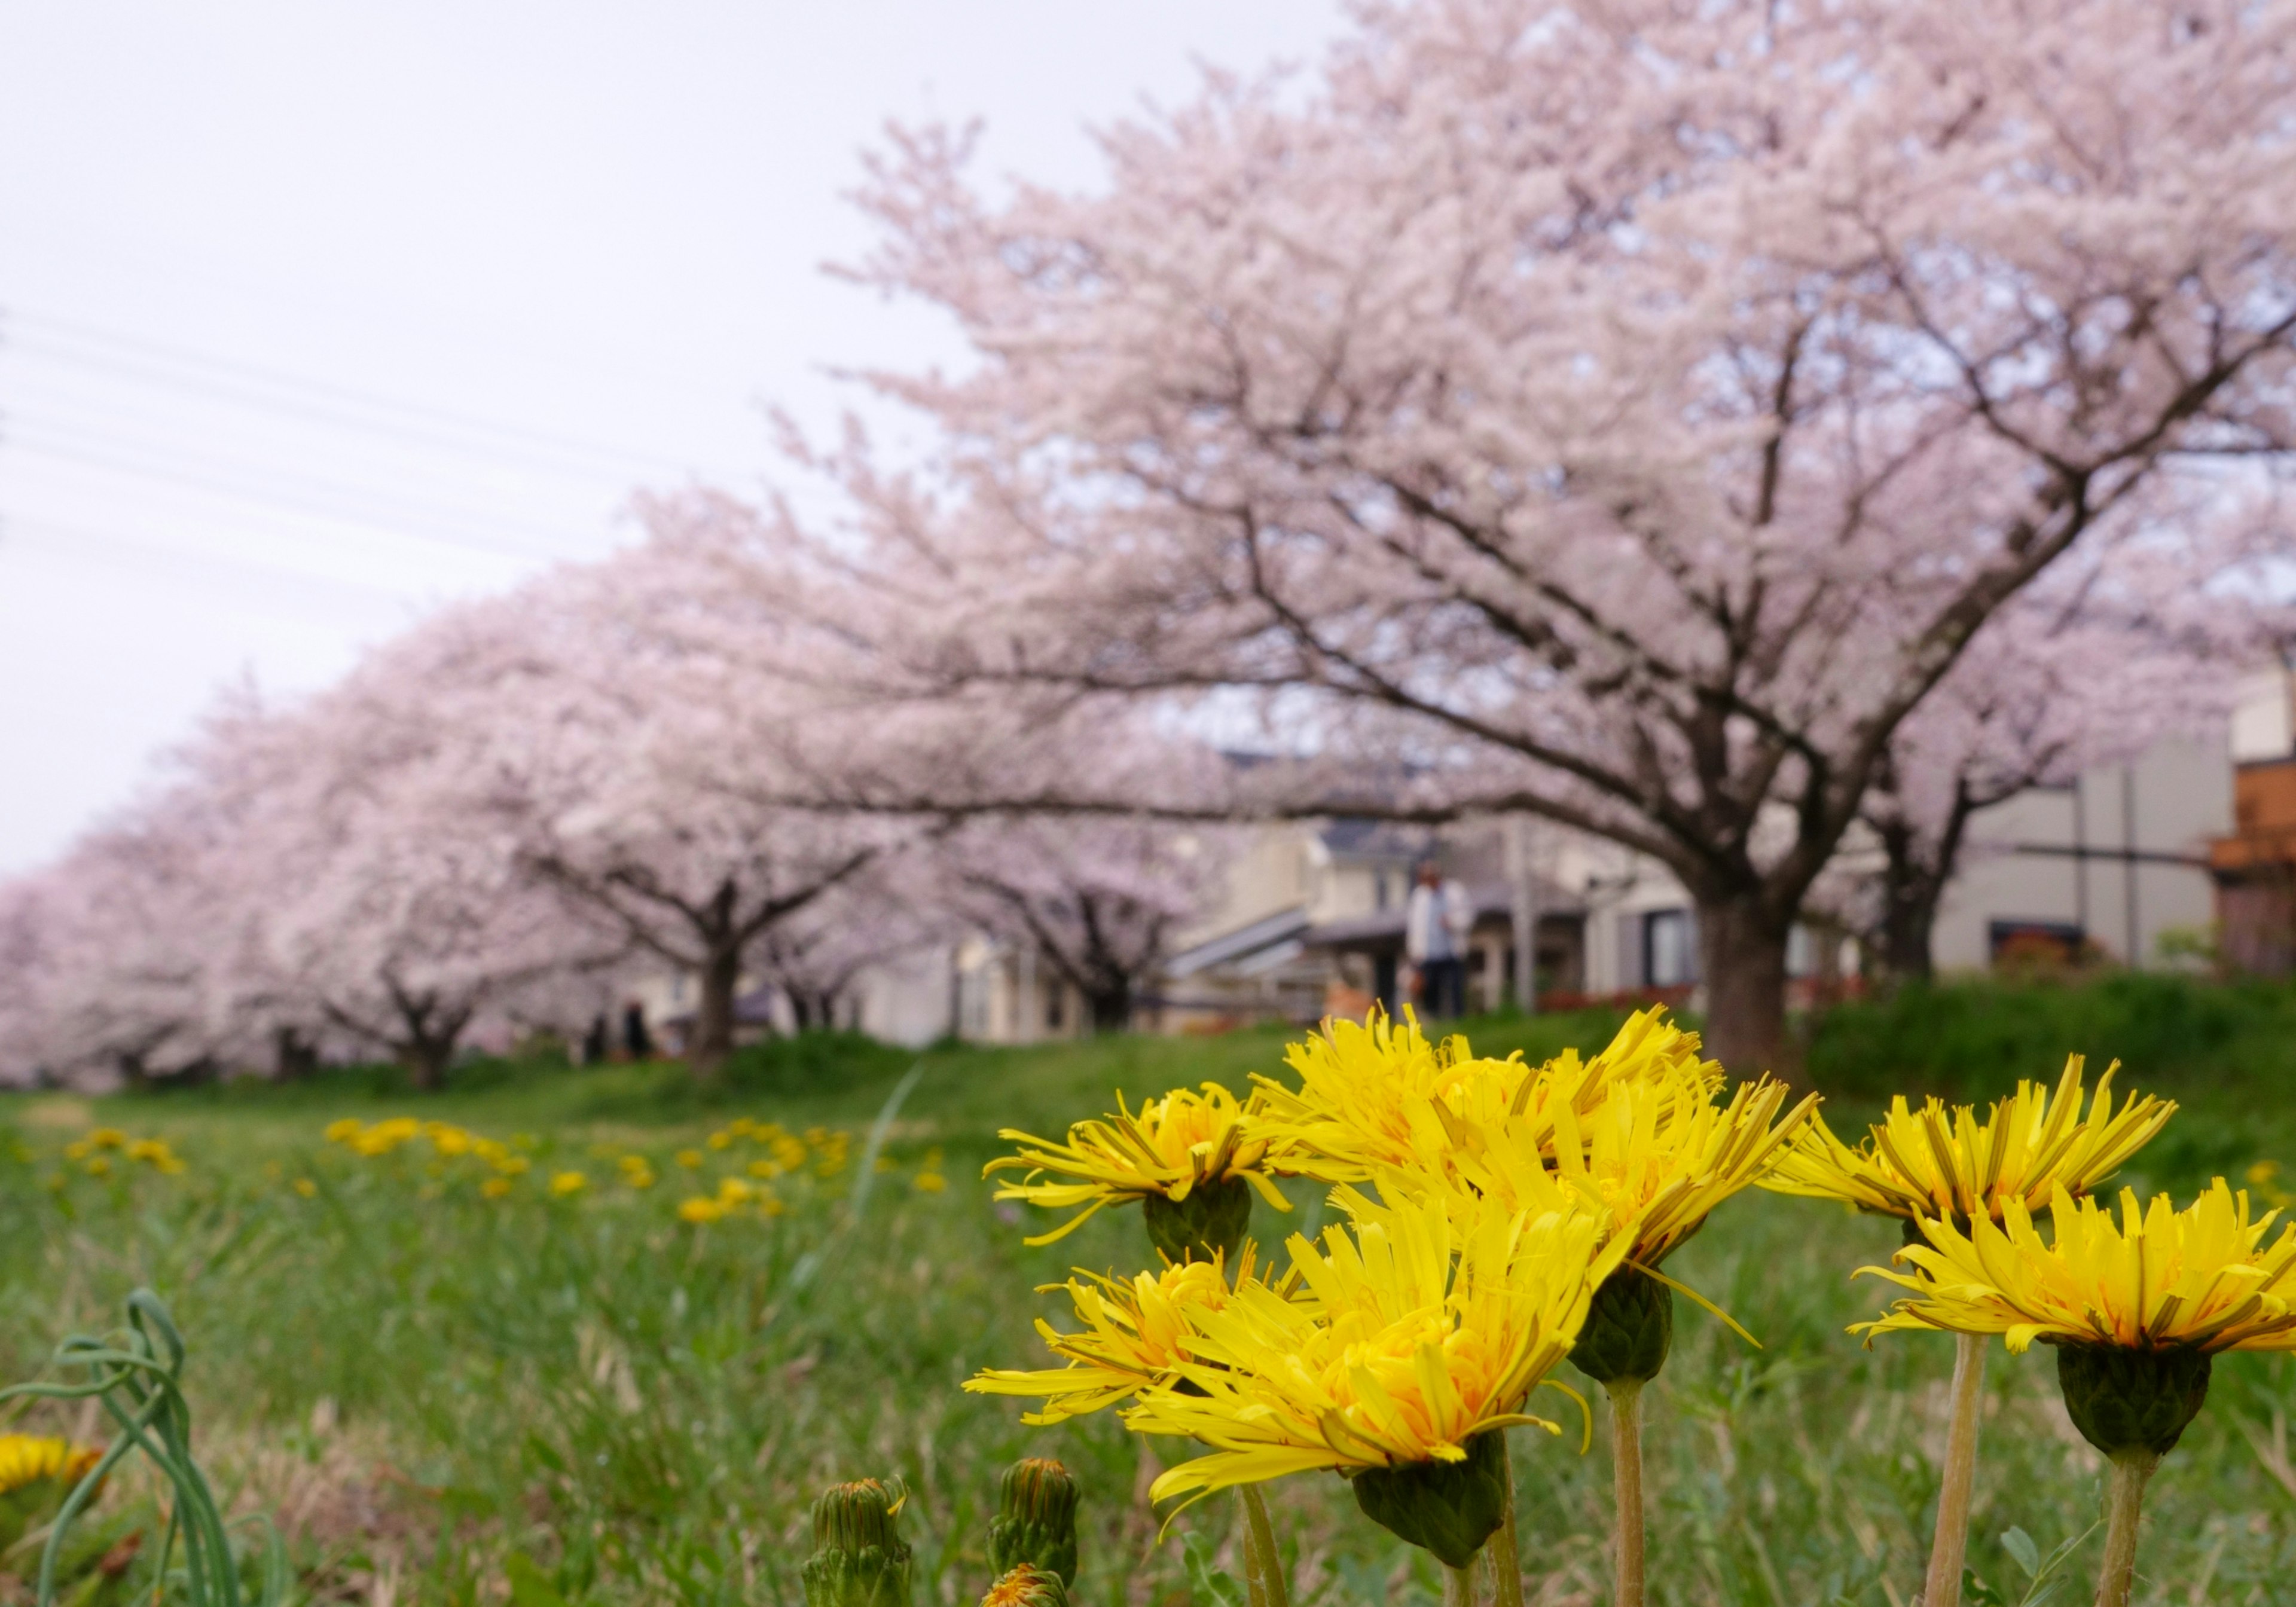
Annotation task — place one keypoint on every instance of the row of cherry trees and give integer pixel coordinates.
(1706, 426)
(501, 814)
(1759, 435)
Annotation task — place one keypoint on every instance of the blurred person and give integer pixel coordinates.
(637, 1043)
(1436, 923)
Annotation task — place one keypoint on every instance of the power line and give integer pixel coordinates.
(11, 525)
(302, 496)
(151, 360)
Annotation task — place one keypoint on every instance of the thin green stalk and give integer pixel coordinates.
(2124, 1501)
(1459, 1585)
(1263, 1566)
(1949, 1542)
(1505, 1561)
(1626, 1487)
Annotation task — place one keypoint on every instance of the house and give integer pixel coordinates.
(2253, 865)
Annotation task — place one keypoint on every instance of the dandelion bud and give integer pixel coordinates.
(2124, 1399)
(1628, 1330)
(1026, 1586)
(858, 1558)
(1448, 1508)
(1208, 1222)
(1036, 1519)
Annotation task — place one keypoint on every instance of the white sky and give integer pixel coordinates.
(312, 317)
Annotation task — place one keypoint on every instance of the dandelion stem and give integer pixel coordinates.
(1263, 1566)
(2131, 1470)
(1627, 1464)
(1459, 1585)
(1949, 1543)
(1505, 1561)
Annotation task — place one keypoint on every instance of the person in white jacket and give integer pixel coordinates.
(1435, 923)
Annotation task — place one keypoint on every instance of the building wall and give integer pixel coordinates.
(2169, 802)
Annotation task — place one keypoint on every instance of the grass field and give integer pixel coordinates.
(432, 1365)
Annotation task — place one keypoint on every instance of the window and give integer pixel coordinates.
(1669, 948)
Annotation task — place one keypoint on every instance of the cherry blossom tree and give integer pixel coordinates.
(1629, 414)
(1096, 899)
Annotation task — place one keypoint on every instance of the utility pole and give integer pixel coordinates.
(1522, 886)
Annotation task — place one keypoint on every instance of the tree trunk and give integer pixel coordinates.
(1909, 900)
(293, 1060)
(1110, 1003)
(713, 1015)
(1742, 950)
(426, 1059)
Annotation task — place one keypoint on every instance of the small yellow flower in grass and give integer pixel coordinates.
(719, 1140)
(637, 1171)
(1415, 1338)
(765, 1171)
(563, 1183)
(342, 1129)
(1133, 1338)
(107, 1138)
(691, 1159)
(741, 1126)
(700, 1209)
(736, 1191)
(305, 1187)
(155, 1153)
(1170, 1150)
(770, 1204)
(514, 1166)
(929, 1183)
(99, 1166)
(494, 1188)
(1942, 1162)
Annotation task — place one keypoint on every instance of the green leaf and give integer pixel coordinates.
(1978, 1593)
(2019, 1545)
(529, 1586)
(1208, 1585)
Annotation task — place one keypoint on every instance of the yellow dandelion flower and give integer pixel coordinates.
(107, 1138)
(719, 1140)
(1652, 1161)
(929, 1183)
(1415, 1338)
(1132, 1338)
(514, 1166)
(494, 1188)
(1173, 1146)
(1940, 1161)
(99, 1166)
(2204, 1278)
(765, 1171)
(29, 1458)
(741, 1126)
(770, 1204)
(691, 1159)
(342, 1129)
(563, 1183)
(78, 1149)
(155, 1153)
(700, 1209)
(736, 1191)
(305, 1187)
(1383, 1095)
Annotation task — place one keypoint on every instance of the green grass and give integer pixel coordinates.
(427, 1383)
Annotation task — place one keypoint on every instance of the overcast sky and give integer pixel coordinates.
(314, 317)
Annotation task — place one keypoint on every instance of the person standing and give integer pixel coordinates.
(1436, 923)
